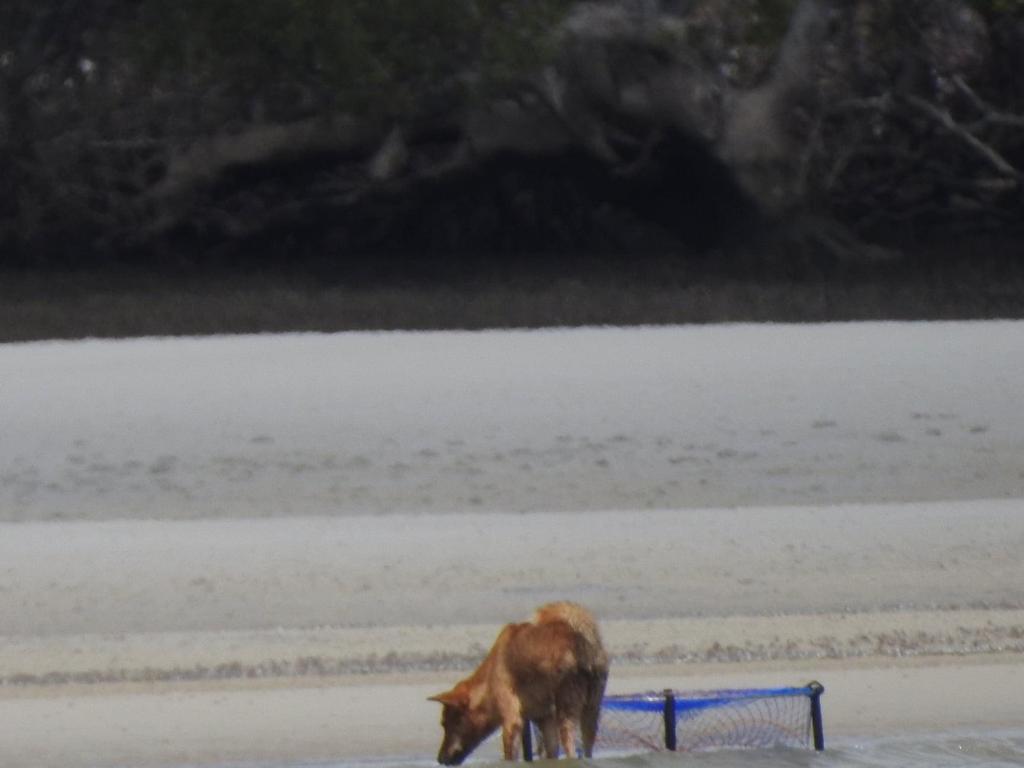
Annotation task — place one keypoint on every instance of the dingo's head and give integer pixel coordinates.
(464, 726)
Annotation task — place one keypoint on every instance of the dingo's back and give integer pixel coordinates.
(582, 621)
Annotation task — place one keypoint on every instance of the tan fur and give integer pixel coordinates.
(551, 670)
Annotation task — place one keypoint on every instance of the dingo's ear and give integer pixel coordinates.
(450, 698)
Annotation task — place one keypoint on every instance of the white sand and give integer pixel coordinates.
(165, 576)
(520, 421)
(147, 619)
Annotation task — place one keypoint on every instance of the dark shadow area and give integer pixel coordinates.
(508, 217)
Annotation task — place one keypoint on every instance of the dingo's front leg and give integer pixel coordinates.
(510, 735)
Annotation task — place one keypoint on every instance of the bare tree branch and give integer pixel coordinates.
(945, 119)
(990, 115)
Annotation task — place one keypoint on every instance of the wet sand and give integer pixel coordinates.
(379, 717)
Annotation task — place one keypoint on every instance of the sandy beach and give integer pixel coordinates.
(270, 550)
(156, 643)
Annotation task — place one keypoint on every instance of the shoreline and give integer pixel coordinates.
(381, 718)
(70, 305)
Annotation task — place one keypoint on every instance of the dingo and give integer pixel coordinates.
(551, 670)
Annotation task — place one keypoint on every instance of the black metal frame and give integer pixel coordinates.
(817, 729)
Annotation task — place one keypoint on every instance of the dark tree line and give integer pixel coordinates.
(391, 137)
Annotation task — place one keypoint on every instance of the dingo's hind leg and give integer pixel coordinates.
(549, 737)
(567, 735)
(592, 712)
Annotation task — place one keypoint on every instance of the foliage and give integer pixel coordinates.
(92, 91)
(1000, 7)
(102, 100)
(769, 21)
(370, 57)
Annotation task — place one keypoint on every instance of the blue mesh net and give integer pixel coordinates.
(737, 719)
(749, 718)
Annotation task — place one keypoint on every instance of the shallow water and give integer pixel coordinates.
(990, 749)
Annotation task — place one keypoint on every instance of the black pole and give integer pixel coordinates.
(816, 726)
(527, 741)
(670, 720)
